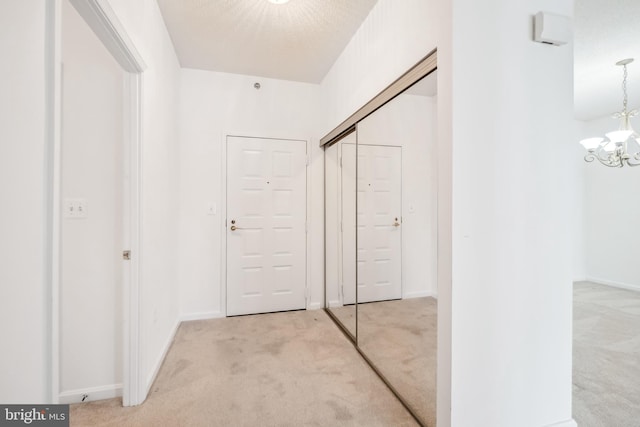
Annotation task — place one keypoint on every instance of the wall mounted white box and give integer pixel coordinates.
(552, 29)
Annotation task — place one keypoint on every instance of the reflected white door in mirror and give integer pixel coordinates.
(379, 220)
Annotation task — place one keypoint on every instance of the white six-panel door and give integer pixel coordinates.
(266, 221)
(379, 221)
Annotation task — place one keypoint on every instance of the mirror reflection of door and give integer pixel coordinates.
(379, 221)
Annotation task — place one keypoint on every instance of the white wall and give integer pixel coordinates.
(410, 122)
(211, 105)
(611, 210)
(160, 178)
(512, 108)
(23, 281)
(91, 273)
(400, 32)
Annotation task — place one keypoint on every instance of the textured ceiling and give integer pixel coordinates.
(606, 31)
(299, 40)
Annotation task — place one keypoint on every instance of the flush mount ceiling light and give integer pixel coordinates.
(619, 147)
(278, 1)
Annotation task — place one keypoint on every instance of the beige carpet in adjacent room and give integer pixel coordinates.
(606, 356)
(280, 369)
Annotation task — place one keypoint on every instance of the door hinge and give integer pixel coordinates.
(126, 255)
(308, 160)
(306, 227)
(340, 161)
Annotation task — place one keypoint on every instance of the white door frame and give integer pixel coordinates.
(223, 211)
(106, 25)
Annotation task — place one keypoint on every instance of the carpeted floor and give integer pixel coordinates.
(606, 356)
(400, 338)
(347, 316)
(297, 369)
(280, 369)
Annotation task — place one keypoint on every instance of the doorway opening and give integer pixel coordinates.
(111, 198)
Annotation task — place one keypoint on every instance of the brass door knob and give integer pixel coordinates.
(234, 228)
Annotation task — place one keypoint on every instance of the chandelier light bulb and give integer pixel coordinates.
(591, 143)
(619, 135)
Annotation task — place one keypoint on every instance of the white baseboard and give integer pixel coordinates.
(314, 306)
(568, 423)
(158, 364)
(620, 285)
(92, 393)
(205, 315)
(420, 294)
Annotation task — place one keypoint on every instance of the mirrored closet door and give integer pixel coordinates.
(381, 237)
(397, 244)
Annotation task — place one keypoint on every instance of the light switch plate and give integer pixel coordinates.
(75, 208)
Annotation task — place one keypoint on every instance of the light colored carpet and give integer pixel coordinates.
(400, 338)
(606, 356)
(280, 369)
(347, 316)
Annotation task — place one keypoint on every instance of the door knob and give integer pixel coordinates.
(396, 223)
(234, 228)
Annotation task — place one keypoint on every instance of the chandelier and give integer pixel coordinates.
(619, 147)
